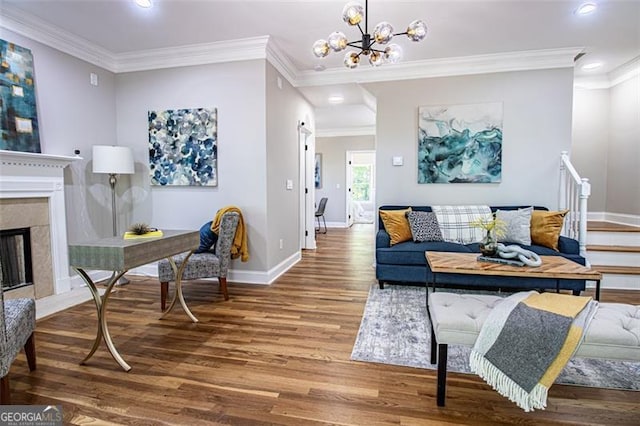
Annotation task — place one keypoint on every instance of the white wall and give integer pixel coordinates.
(536, 128)
(73, 114)
(623, 173)
(590, 144)
(334, 157)
(285, 107)
(237, 90)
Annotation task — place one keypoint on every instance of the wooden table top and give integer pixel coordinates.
(467, 263)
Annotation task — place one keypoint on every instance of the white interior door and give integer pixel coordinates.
(306, 149)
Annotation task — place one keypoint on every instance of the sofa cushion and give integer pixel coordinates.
(410, 253)
(546, 228)
(424, 226)
(456, 222)
(396, 224)
(516, 225)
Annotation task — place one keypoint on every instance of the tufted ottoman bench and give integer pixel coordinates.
(456, 319)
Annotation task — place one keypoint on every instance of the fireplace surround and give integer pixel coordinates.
(32, 196)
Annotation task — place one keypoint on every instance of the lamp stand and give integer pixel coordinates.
(112, 182)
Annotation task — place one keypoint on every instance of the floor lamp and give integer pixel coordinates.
(113, 160)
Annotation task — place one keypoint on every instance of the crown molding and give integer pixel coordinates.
(606, 81)
(625, 72)
(276, 57)
(41, 31)
(444, 67)
(195, 54)
(346, 131)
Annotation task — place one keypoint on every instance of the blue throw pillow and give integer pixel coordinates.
(208, 238)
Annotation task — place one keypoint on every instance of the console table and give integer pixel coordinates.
(120, 255)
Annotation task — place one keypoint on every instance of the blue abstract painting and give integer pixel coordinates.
(183, 147)
(19, 119)
(460, 143)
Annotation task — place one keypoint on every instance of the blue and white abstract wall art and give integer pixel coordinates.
(460, 143)
(19, 119)
(183, 147)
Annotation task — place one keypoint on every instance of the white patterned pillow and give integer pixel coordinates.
(517, 225)
(455, 222)
(424, 226)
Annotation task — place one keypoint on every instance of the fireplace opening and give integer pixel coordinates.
(15, 258)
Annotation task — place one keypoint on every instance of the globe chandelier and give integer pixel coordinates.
(370, 45)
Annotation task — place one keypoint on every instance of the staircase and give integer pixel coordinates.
(614, 250)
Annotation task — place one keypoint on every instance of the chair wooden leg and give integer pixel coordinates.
(164, 290)
(223, 287)
(5, 397)
(30, 351)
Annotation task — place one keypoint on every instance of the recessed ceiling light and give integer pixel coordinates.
(586, 8)
(144, 3)
(319, 67)
(336, 99)
(591, 66)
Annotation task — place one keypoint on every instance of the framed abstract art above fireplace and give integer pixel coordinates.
(183, 147)
(19, 117)
(460, 143)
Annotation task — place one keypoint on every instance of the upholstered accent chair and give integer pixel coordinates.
(17, 324)
(203, 265)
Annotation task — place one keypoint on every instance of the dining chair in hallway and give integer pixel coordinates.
(320, 214)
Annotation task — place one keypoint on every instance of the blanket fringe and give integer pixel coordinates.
(506, 387)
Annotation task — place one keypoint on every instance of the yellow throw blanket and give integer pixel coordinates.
(526, 341)
(240, 247)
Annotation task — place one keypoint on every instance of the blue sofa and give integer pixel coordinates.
(406, 263)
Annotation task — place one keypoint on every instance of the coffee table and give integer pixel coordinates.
(553, 267)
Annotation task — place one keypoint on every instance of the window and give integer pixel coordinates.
(362, 182)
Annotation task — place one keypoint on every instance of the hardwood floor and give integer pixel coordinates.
(274, 354)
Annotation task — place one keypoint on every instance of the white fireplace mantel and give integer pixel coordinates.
(31, 175)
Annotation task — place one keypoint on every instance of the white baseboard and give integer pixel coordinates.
(336, 225)
(51, 304)
(235, 275)
(621, 218)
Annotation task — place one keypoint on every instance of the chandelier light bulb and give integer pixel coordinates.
(321, 48)
(353, 13)
(392, 54)
(417, 30)
(337, 41)
(383, 32)
(351, 60)
(376, 59)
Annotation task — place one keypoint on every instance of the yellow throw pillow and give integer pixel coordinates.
(397, 225)
(546, 227)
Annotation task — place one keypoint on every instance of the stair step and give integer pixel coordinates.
(610, 227)
(624, 249)
(623, 270)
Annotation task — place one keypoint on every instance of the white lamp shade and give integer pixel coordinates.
(112, 159)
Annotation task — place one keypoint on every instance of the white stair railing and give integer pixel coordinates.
(574, 194)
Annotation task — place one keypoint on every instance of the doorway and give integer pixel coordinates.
(361, 187)
(306, 150)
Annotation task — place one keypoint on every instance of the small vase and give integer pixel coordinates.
(489, 245)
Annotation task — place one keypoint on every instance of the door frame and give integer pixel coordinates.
(349, 174)
(306, 187)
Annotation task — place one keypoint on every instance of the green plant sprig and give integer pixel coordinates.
(493, 225)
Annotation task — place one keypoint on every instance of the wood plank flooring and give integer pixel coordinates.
(274, 354)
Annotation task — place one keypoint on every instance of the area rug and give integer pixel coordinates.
(395, 330)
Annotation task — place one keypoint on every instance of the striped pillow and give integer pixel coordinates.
(455, 222)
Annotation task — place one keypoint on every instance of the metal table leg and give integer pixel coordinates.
(103, 328)
(177, 273)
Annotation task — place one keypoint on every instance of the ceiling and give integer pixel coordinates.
(456, 28)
